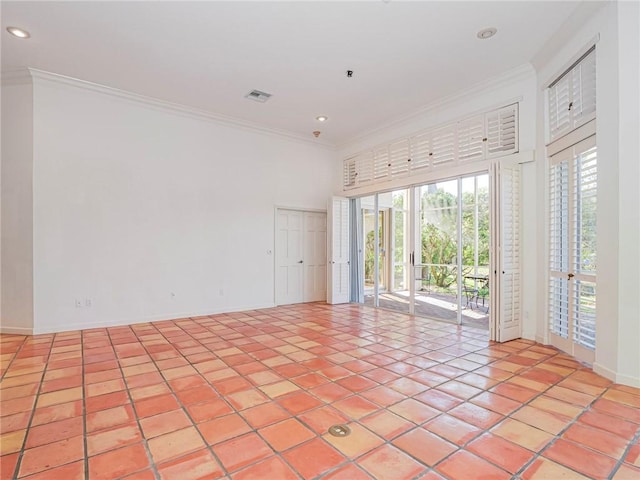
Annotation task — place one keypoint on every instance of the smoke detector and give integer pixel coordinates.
(258, 96)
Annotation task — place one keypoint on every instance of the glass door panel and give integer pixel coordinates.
(475, 250)
(436, 253)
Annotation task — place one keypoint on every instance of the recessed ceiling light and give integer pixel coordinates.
(487, 33)
(18, 32)
(322, 118)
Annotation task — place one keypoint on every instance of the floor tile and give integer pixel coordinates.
(425, 446)
(117, 463)
(476, 415)
(116, 437)
(155, 405)
(320, 419)
(349, 472)
(452, 429)
(284, 435)
(355, 407)
(52, 432)
(383, 396)
(580, 459)
(627, 472)
(108, 418)
(199, 465)
(313, 458)
(242, 451)
(599, 440)
(439, 400)
(506, 455)
(388, 462)
(263, 415)
(164, 423)
(223, 428)
(544, 469)
(522, 434)
(70, 471)
(547, 421)
(51, 455)
(201, 412)
(273, 467)
(299, 402)
(386, 424)
(464, 465)
(358, 442)
(413, 410)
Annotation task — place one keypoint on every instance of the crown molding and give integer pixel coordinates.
(16, 76)
(172, 107)
(514, 75)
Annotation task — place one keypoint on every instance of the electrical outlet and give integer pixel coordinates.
(87, 302)
(78, 303)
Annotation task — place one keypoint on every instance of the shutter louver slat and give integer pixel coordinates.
(364, 167)
(349, 173)
(399, 158)
(584, 90)
(470, 139)
(443, 145)
(381, 163)
(420, 149)
(502, 131)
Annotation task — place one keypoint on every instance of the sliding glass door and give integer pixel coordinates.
(426, 250)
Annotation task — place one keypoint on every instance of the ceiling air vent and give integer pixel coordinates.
(258, 96)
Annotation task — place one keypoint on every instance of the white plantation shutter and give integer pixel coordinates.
(559, 244)
(507, 177)
(420, 150)
(571, 99)
(364, 167)
(489, 135)
(443, 146)
(399, 158)
(381, 163)
(573, 178)
(338, 239)
(583, 97)
(585, 179)
(502, 131)
(470, 139)
(559, 113)
(349, 173)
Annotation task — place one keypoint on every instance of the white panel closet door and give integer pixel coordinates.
(289, 257)
(338, 223)
(315, 256)
(507, 259)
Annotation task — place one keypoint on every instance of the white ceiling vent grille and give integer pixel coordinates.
(258, 96)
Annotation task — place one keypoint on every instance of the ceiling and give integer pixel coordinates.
(209, 55)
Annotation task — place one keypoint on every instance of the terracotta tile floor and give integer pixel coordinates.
(251, 395)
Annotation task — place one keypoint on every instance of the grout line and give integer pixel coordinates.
(35, 404)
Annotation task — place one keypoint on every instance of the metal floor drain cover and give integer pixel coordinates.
(339, 430)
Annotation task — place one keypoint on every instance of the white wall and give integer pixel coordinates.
(17, 214)
(133, 203)
(618, 308)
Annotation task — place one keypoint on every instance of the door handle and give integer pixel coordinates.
(570, 276)
(300, 261)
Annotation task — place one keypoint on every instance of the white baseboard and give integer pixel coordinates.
(16, 330)
(153, 318)
(615, 376)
